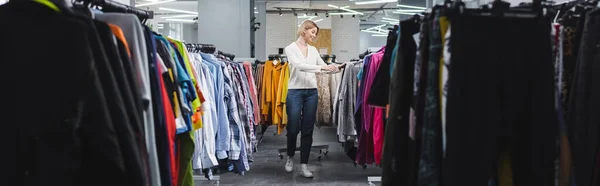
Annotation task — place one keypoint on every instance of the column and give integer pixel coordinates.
(260, 49)
(226, 24)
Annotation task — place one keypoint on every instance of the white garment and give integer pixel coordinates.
(303, 69)
(205, 156)
(445, 77)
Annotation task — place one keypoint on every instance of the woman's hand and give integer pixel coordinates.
(331, 68)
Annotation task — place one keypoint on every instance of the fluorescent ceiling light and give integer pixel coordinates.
(177, 10)
(343, 13)
(373, 32)
(405, 13)
(375, 2)
(182, 20)
(306, 17)
(180, 16)
(389, 19)
(377, 27)
(345, 8)
(154, 3)
(379, 35)
(404, 10)
(408, 6)
(255, 12)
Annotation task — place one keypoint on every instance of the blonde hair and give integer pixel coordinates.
(307, 24)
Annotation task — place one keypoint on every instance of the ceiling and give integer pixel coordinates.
(372, 12)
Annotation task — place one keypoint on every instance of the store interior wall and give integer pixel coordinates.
(281, 31)
(345, 34)
(368, 41)
(225, 24)
(190, 33)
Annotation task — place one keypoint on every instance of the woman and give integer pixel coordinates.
(302, 98)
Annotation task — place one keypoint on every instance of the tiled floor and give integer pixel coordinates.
(268, 169)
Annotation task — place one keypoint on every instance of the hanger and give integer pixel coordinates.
(499, 7)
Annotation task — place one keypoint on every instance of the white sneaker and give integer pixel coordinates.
(305, 172)
(289, 165)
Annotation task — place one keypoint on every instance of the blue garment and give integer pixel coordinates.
(365, 61)
(185, 83)
(359, 97)
(223, 136)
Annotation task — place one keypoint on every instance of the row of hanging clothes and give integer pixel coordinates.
(227, 139)
(495, 95)
(272, 77)
(360, 124)
(116, 99)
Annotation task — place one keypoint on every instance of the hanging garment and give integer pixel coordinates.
(382, 80)
(397, 160)
(230, 99)
(324, 105)
(345, 103)
(77, 121)
(222, 125)
(431, 150)
(365, 148)
(583, 106)
(253, 91)
(506, 105)
(335, 81)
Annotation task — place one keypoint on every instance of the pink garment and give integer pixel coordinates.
(369, 119)
(378, 134)
(253, 97)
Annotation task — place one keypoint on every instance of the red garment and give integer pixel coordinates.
(253, 91)
(171, 128)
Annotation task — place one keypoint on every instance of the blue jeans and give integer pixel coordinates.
(302, 114)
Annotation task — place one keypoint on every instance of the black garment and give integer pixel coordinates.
(395, 163)
(430, 161)
(124, 106)
(501, 93)
(58, 130)
(381, 83)
(584, 104)
(419, 97)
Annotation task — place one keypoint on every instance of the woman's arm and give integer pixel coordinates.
(295, 61)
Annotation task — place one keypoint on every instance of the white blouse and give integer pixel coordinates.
(303, 69)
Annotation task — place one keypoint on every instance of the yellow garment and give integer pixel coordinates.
(182, 50)
(505, 175)
(443, 28)
(49, 5)
(186, 60)
(284, 78)
(275, 79)
(266, 92)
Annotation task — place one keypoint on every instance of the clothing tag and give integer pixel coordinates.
(417, 38)
(275, 62)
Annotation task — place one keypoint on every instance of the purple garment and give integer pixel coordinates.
(365, 146)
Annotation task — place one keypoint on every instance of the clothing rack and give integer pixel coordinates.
(227, 55)
(198, 47)
(113, 6)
